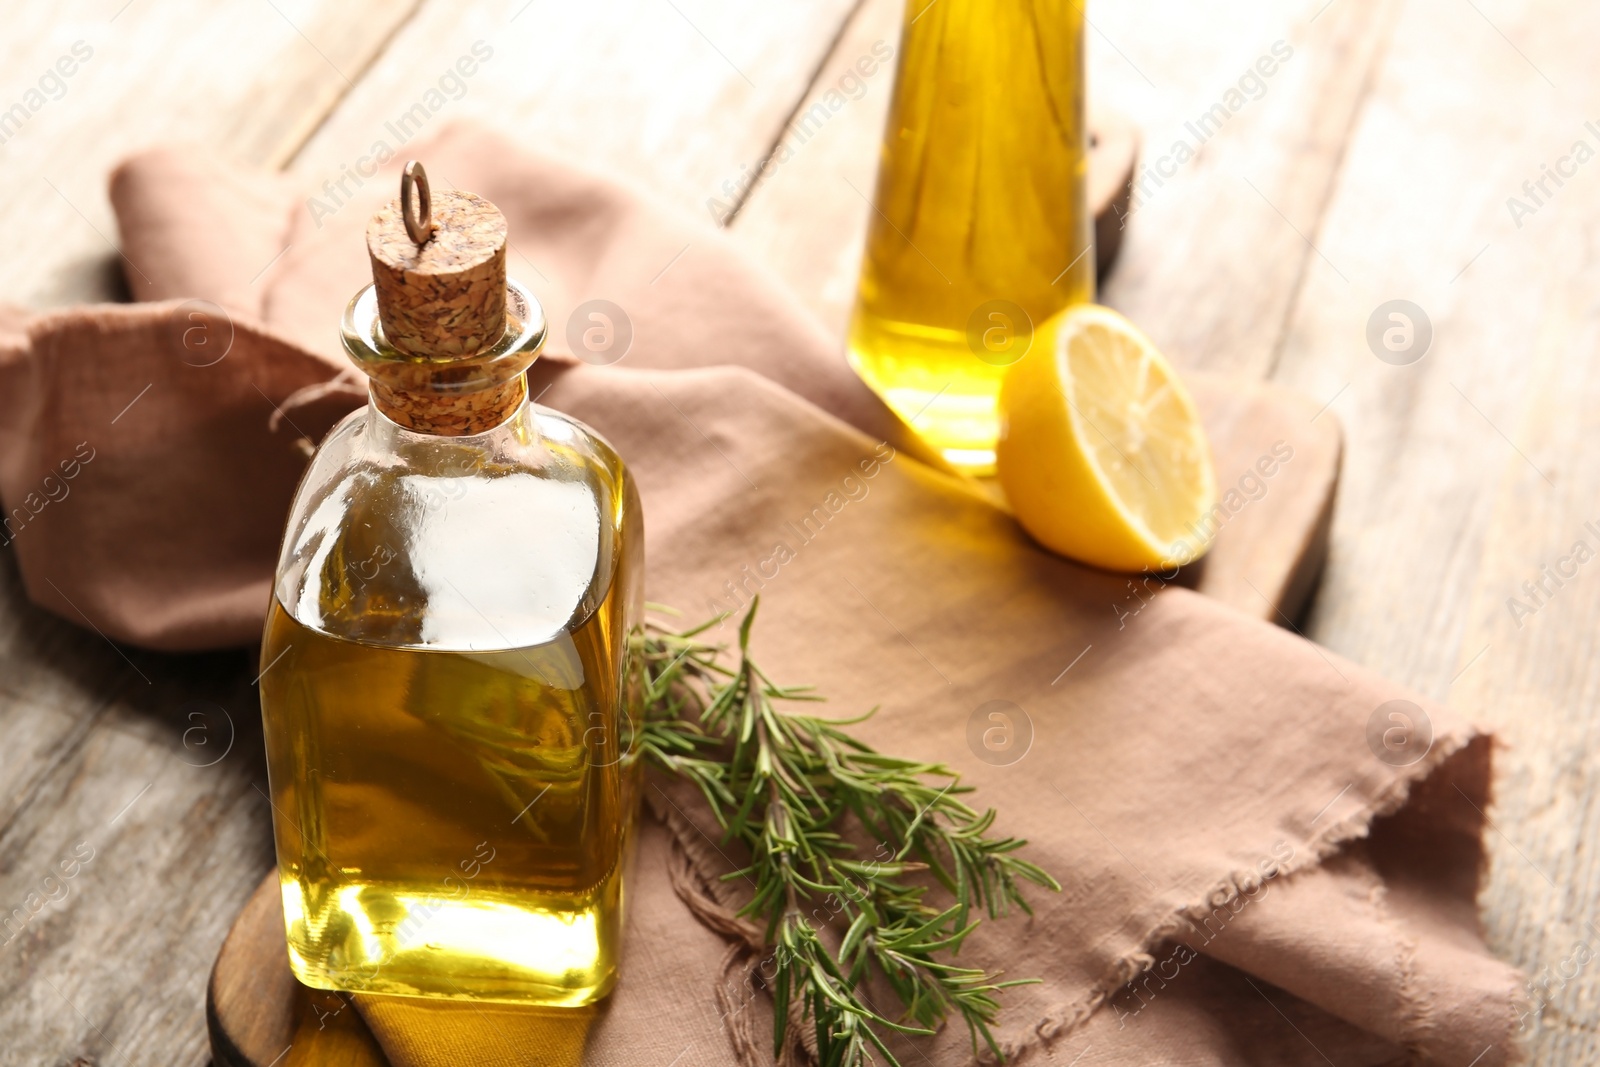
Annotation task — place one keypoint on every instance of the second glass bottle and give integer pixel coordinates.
(980, 230)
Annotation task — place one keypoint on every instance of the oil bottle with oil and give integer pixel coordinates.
(445, 686)
(980, 230)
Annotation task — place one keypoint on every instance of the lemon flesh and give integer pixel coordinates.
(1101, 451)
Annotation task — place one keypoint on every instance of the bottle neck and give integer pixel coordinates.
(515, 429)
(452, 396)
(451, 414)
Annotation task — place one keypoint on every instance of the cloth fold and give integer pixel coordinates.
(1246, 877)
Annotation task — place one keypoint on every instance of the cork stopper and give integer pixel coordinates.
(439, 272)
(447, 296)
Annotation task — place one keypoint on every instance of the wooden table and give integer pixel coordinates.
(1374, 164)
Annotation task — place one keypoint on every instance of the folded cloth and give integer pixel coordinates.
(1248, 875)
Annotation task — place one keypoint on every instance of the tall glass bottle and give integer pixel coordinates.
(445, 664)
(980, 230)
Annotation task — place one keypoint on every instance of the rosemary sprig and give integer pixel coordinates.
(782, 782)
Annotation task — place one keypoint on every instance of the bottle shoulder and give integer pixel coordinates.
(500, 540)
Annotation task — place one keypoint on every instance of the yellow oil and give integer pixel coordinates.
(980, 230)
(451, 823)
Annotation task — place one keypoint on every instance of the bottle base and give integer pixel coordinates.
(394, 941)
(935, 383)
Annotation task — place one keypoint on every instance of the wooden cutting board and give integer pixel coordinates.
(1277, 461)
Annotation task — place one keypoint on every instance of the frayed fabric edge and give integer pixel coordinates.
(1066, 1018)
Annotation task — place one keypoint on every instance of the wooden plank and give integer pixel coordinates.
(806, 215)
(1466, 470)
(1416, 502)
(129, 830)
(1406, 224)
(1215, 255)
(249, 79)
(1528, 663)
(681, 97)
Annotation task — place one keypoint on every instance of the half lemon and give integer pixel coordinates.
(1101, 451)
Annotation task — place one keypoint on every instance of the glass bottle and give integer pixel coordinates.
(445, 686)
(981, 229)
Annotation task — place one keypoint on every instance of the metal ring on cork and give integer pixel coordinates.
(418, 217)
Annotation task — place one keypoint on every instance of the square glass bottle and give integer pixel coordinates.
(445, 687)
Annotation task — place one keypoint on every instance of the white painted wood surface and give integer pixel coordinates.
(1374, 164)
